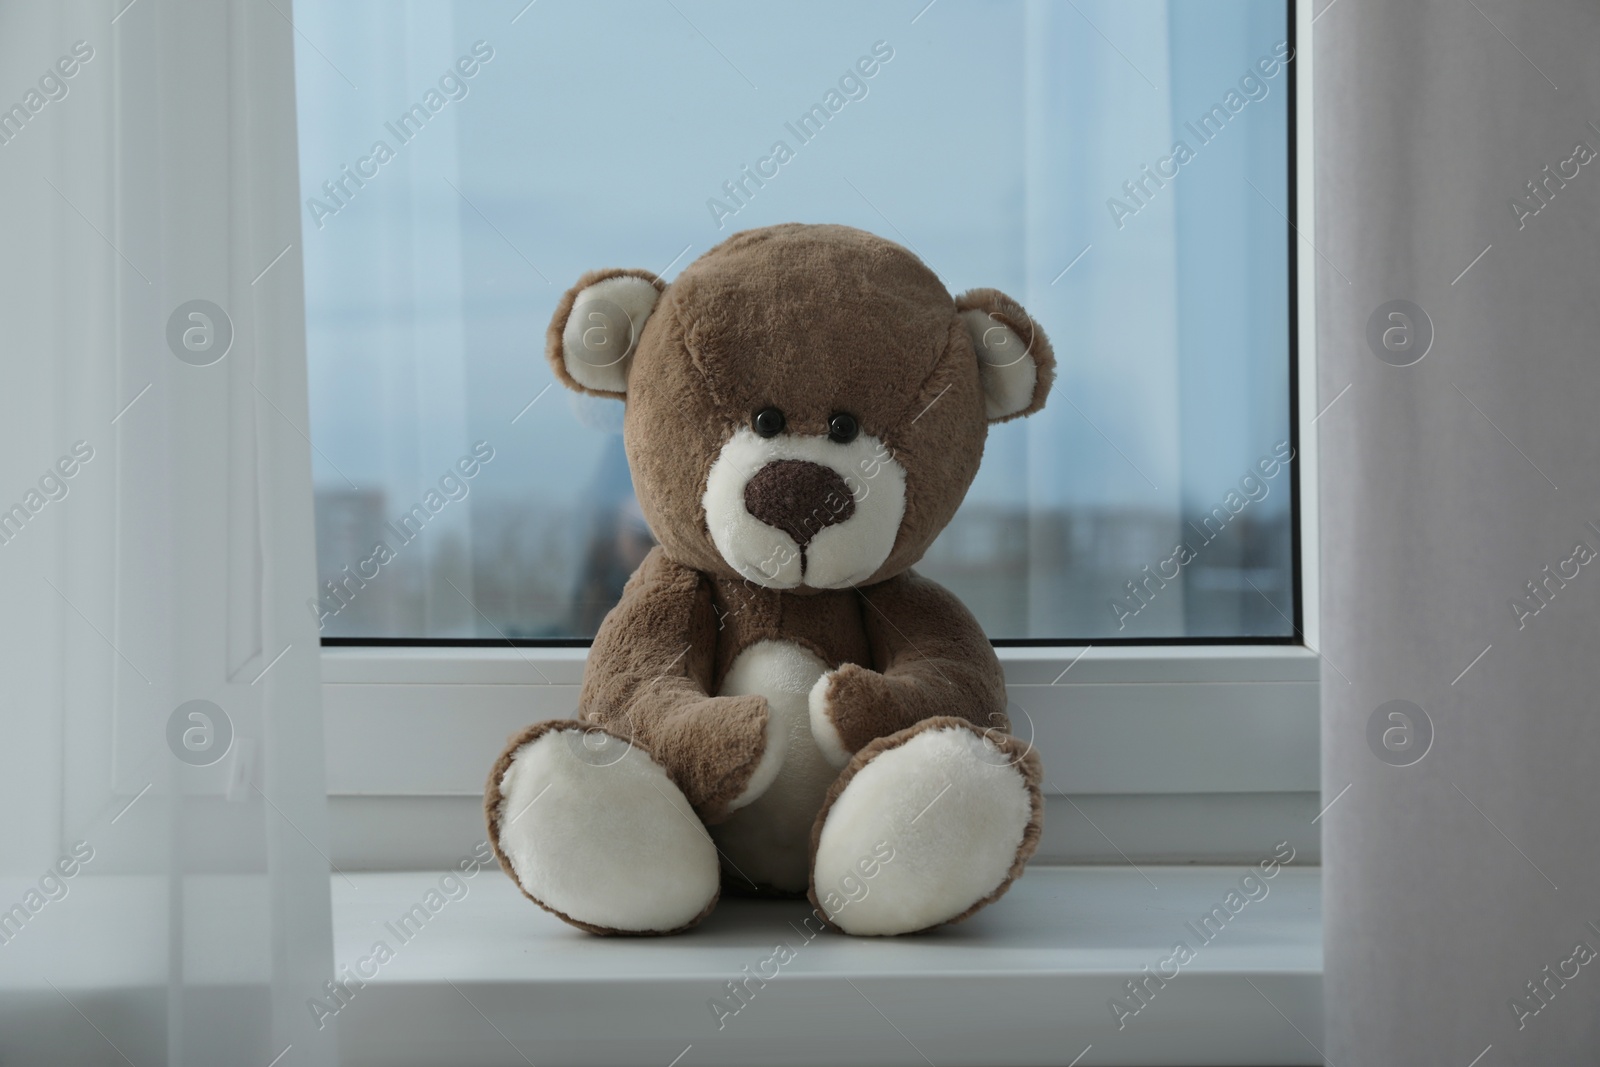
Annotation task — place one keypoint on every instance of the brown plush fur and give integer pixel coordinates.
(653, 664)
(1002, 309)
(812, 320)
(908, 648)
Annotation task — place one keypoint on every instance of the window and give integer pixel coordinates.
(1123, 169)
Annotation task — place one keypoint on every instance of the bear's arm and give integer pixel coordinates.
(648, 679)
(929, 658)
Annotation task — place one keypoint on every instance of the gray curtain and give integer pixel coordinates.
(1462, 867)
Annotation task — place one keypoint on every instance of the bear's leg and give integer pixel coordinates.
(593, 830)
(925, 827)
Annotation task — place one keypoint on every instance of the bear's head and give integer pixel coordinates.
(805, 405)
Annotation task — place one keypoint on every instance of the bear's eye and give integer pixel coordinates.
(769, 422)
(842, 428)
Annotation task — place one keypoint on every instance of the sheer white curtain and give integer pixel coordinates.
(385, 290)
(1455, 148)
(163, 880)
(1126, 306)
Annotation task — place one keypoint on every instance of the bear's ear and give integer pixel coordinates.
(1014, 356)
(596, 327)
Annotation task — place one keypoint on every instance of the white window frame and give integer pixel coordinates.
(1147, 732)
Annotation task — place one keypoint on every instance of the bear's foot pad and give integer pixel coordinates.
(594, 830)
(929, 825)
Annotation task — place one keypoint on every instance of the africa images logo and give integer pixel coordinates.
(338, 593)
(1254, 85)
(340, 190)
(852, 85)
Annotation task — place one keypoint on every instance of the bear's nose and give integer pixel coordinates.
(798, 497)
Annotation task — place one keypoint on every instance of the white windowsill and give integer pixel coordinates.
(1119, 720)
(1028, 981)
(1159, 754)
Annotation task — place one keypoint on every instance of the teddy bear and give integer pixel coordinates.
(778, 704)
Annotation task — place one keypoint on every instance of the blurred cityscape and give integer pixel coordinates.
(427, 297)
(532, 571)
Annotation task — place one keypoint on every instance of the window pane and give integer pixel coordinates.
(1120, 168)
